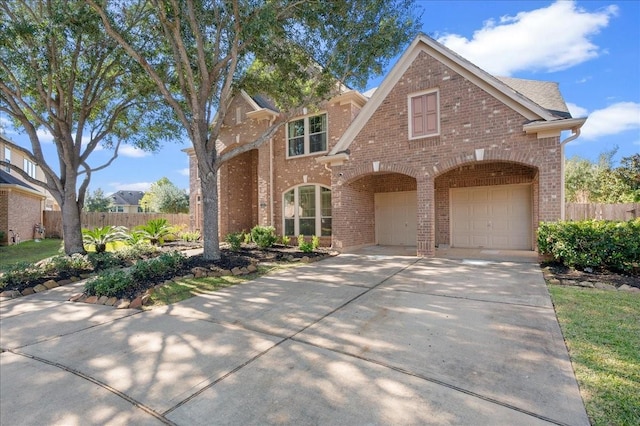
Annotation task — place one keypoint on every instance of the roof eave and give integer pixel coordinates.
(337, 159)
(547, 129)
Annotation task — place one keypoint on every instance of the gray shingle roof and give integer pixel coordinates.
(126, 198)
(544, 93)
(8, 179)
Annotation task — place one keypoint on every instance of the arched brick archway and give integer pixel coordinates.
(478, 180)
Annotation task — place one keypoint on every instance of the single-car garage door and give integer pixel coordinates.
(495, 217)
(396, 218)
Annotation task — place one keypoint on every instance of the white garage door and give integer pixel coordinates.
(396, 218)
(496, 217)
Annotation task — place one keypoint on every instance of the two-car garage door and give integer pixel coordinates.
(492, 217)
(495, 217)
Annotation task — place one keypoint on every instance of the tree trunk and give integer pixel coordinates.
(211, 239)
(71, 225)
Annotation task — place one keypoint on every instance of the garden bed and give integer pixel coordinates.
(559, 274)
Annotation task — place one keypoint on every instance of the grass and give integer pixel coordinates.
(28, 251)
(182, 289)
(602, 331)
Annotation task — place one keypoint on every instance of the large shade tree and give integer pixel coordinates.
(293, 51)
(62, 77)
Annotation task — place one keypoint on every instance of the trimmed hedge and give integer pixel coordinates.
(597, 244)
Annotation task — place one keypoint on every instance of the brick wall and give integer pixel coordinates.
(19, 211)
(470, 120)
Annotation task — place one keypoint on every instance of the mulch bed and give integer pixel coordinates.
(562, 275)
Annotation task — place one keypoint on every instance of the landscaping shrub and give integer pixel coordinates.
(597, 244)
(139, 250)
(315, 242)
(100, 236)
(21, 273)
(235, 240)
(155, 230)
(72, 265)
(110, 283)
(264, 236)
(157, 267)
(285, 240)
(190, 236)
(303, 245)
(106, 260)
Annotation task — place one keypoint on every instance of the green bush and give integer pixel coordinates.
(596, 244)
(303, 245)
(104, 260)
(21, 273)
(72, 265)
(235, 240)
(157, 267)
(247, 238)
(315, 242)
(190, 236)
(264, 236)
(110, 283)
(139, 250)
(285, 240)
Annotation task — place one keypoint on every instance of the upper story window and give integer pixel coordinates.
(7, 159)
(29, 168)
(307, 135)
(424, 114)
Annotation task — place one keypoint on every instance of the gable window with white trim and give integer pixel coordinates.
(29, 167)
(424, 114)
(307, 135)
(307, 211)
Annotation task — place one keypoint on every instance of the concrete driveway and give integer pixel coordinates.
(356, 339)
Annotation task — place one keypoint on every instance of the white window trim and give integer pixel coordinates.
(306, 136)
(410, 113)
(296, 203)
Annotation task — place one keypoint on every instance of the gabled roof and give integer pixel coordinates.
(550, 109)
(126, 198)
(544, 93)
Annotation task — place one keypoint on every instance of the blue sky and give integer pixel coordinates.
(591, 48)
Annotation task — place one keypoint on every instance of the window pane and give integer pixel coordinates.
(325, 198)
(308, 226)
(318, 142)
(296, 128)
(289, 207)
(326, 227)
(318, 124)
(296, 146)
(307, 200)
(289, 228)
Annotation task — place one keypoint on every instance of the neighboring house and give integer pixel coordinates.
(442, 154)
(21, 201)
(126, 202)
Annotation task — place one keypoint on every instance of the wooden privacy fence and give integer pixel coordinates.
(580, 211)
(53, 220)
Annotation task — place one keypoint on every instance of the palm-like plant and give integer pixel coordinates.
(100, 236)
(155, 230)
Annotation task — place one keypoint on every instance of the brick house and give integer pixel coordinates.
(21, 202)
(441, 154)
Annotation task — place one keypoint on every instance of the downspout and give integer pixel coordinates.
(576, 133)
(271, 175)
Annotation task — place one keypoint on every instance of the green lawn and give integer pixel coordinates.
(28, 251)
(602, 331)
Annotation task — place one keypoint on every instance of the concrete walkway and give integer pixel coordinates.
(357, 339)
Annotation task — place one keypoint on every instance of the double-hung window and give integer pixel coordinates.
(29, 167)
(307, 135)
(424, 114)
(7, 159)
(307, 211)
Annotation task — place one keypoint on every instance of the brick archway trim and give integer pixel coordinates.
(488, 156)
(367, 169)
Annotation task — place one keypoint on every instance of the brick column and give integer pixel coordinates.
(426, 217)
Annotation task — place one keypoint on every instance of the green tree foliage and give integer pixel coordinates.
(62, 76)
(200, 53)
(165, 197)
(601, 182)
(97, 201)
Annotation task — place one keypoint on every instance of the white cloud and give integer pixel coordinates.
(130, 151)
(184, 172)
(549, 39)
(577, 111)
(136, 186)
(44, 136)
(614, 119)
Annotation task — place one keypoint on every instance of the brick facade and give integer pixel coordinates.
(19, 211)
(483, 140)
(470, 119)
